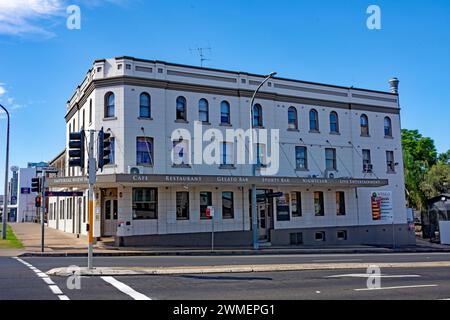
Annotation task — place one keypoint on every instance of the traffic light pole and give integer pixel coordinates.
(92, 172)
(42, 210)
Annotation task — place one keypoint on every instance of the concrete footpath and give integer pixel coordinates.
(61, 244)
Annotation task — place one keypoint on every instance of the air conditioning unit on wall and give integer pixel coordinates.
(135, 170)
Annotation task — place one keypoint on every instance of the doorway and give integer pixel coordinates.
(110, 216)
(264, 210)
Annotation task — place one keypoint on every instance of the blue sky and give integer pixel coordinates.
(42, 62)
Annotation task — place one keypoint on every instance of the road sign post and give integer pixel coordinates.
(92, 173)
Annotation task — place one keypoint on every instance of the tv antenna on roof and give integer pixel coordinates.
(202, 54)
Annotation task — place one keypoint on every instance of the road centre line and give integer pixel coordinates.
(399, 287)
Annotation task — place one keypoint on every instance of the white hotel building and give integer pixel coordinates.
(338, 145)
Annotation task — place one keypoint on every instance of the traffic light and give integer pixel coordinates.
(38, 202)
(36, 185)
(76, 149)
(104, 149)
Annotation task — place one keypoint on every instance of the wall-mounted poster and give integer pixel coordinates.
(382, 209)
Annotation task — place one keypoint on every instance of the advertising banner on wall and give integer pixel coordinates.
(382, 208)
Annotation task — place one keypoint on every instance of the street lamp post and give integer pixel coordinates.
(252, 159)
(5, 197)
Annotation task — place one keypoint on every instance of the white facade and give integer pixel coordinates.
(127, 78)
(26, 207)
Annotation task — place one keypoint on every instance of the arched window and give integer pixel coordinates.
(292, 119)
(387, 127)
(225, 117)
(144, 105)
(203, 110)
(364, 122)
(334, 122)
(181, 109)
(257, 116)
(313, 120)
(109, 105)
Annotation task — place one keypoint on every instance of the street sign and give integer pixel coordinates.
(47, 170)
(63, 194)
(25, 190)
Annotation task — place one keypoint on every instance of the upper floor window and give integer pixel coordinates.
(144, 105)
(109, 105)
(330, 159)
(90, 111)
(144, 151)
(313, 120)
(225, 113)
(181, 153)
(364, 123)
(227, 153)
(203, 110)
(387, 127)
(84, 119)
(257, 116)
(261, 159)
(181, 109)
(112, 154)
(292, 118)
(367, 161)
(334, 122)
(390, 162)
(301, 158)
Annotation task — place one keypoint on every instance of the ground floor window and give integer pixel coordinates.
(296, 204)
(319, 204)
(227, 205)
(340, 203)
(205, 202)
(182, 205)
(145, 203)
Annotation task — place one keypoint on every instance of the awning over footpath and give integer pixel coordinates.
(144, 179)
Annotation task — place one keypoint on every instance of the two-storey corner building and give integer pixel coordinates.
(340, 177)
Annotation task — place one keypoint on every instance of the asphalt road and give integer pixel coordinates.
(24, 279)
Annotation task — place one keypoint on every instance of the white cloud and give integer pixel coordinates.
(22, 17)
(2, 90)
(35, 17)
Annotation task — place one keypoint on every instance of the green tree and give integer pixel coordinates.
(444, 158)
(436, 180)
(419, 154)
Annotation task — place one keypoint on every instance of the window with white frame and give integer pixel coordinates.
(227, 154)
(180, 154)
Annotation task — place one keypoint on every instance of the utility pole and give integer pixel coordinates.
(252, 160)
(92, 173)
(5, 197)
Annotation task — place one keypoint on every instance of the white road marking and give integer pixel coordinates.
(52, 286)
(366, 275)
(400, 287)
(55, 289)
(125, 289)
(343, 261)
